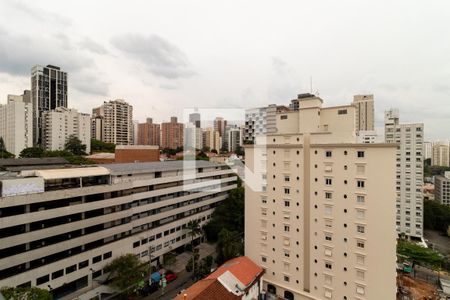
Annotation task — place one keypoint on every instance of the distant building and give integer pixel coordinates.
(234, 138)
(238, 278)
(262, 120)
(194, 118)
(369, 137)
(149, 133)
(211, 139)
(220, 125)
(48, 91)
(135, 132)
(365, 114)
(60, 123)
(427, 150)
(113, 122)
(16, 123)
(442, 188)
(440, 154)
(172, 134)
(136, 153)
(193, 137)
(409, 181)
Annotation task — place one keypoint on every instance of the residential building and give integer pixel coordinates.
(48, 91)
(442, 188)
(440, 154)
(16, 123)
(365, 112)
(60, 227)
(136, 153)
(369, 137)
(314, 200)
(409, 179)
(172, 134)
(194, 118)
(220, 125)
(211, 139)
(61, 123)
(149, 133)
(193, 137)
(113, 122)
(261, 121)
(427, 150)
(234, 138)
(135, 131)
(238, 278)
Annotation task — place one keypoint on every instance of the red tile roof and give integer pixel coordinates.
(243, 268)
(207, 289)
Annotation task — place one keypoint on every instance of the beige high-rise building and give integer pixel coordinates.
(16, 123)
(172, 134)
(211, 139)
(314, 200)
(113, 122)
(365, 119)
(440, 155)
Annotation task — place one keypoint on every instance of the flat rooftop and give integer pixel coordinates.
(131, 168)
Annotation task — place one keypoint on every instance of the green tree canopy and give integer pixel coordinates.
(32, 152)
(3, 152)
(125, 271)
(25, 293)
(100, 146)
(436, 216)
(75, 146)
(229, 245)
(420, 255)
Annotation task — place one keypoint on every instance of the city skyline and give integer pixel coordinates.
(159, 70)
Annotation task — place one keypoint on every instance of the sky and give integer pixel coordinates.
(164, 57)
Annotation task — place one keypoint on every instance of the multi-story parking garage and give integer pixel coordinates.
(60, 227)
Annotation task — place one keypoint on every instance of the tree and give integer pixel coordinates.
(125, 271)
(239, 151)
(74, 146)
(194, 230)
(420, 255)
(229, 245)
(436, 216)
(32, 152)
(100, 146)
(25, 293)
(3, 152)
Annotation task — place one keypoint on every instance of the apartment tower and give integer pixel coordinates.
(365, 119)
(16, 123)
(314, 200)
(211, 139)
(409, 175)
(48, 91)
(172, 134)
(440, 155)
(113, 122)
(149, 133)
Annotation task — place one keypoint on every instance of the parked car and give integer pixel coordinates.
(170, 276)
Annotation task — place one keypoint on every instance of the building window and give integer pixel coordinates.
(287, 191)
(328, 195)
(286, 203)
(263, 259)
(328, 153)
(342, 112)
(328, 181)
(283, 117)
(286, 178)
(42, 279)
(328, 265)
(360, 274)
(286, 278)
(360, 290)
(360, 229)
(360, 199)
(328, 237)
(360, 153)
(360, 259)
(96, 259)
(360, 244)
(360, 183)
(83, 264)
(286, 228)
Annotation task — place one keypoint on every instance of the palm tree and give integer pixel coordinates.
(194, 230)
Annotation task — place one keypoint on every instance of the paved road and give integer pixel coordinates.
(183, 281)
(441, 243)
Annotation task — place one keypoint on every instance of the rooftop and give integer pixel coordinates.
(243, 268)
(118, 169)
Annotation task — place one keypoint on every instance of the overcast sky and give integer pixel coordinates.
(163, 56)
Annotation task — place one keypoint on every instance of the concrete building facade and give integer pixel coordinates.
(16, 123)
(172, 134)
(220, 124)
(234, 138)
(314, 200)
(48, 91)
(365, 112)
(113, 122)
(193, 137)
(61, 123)
(409, 178)
(60, 227)
(427, 150)
(211, 139)
(442, 188)
(149, 133)
(441, 154)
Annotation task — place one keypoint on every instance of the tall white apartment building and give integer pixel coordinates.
(440, 155)
(409, 179)
(365, 112)
(113, 122)
(260, 121)
(16, 123)
(442, 188)
(193, 137)
(60, 227)
(234, 138)
(59, 124)
(427, 150)
(314, 200)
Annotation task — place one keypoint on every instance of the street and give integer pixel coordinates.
(183, 281)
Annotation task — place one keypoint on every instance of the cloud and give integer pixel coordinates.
(160, 57)
(90, 84)
(279, 66)
(38, 14)
(91, 45)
